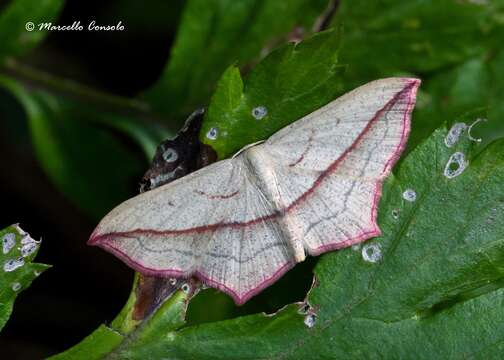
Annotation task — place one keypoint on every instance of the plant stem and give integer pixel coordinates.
(43, 80)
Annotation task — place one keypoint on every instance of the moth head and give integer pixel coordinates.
(169, 163)
(175, 157)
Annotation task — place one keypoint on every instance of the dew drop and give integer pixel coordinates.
(36, 273)
(16, 286)
(259, 112)
(455, 165)
(172, 281)
(395, 214)
(454, 134)
(409, 195)
(8, 242)
(212, 133)
(13, 264)
(29, 248)
(186, 288)
(310, 320)
(356, 247)
(371, 253)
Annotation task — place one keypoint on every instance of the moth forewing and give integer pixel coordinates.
(241, 223)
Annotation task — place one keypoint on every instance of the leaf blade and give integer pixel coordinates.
(422, 293)
(18, 271)
(290, 83)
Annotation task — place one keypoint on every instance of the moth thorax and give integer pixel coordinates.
(261, 167)
(262, 173)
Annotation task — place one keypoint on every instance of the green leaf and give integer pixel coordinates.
(169, 317)
(290, 83)
(214, 34)
(434, 288)
(390, 36)
(79, 151)
(14, 37)
(18, 271)
(449, 44)
(116, 344)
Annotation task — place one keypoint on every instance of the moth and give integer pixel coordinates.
(179, 156)
(240, 224)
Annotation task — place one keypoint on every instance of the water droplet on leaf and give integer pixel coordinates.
(371, 253)
(29, 248)
(259, 112)
(212, 133)
(454, 134)
(310, 320)
(455, 165)
(16, 286)
(8, 242)
(409, 195)
(13, 264)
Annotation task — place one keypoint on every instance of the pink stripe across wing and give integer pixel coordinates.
(408, 91)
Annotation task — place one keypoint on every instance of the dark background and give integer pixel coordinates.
(86, 286)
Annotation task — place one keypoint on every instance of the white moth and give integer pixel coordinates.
(240, 224)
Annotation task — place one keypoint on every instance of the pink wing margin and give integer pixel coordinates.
(105, 240)
(409, 94)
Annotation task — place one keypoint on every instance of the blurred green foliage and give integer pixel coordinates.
(438, 285)
(15, 40)
(216, 33)
(80, 149)
(453, 46)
